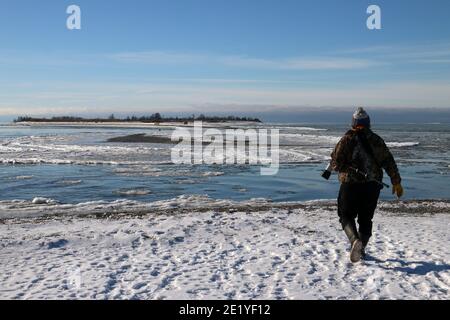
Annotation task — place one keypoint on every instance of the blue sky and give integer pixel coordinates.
(228, 56)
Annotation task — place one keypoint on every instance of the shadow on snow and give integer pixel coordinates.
(410, 267)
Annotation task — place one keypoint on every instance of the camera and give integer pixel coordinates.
(327, 172)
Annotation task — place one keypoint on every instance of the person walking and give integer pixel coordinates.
(359, 158)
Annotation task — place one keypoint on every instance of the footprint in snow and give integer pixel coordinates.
(57, 244)
(176, 240)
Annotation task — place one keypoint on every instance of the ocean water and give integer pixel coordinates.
(75, 164)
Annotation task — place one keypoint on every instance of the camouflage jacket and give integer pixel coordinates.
(350, 154)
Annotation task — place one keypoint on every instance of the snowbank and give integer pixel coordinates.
(226, 250)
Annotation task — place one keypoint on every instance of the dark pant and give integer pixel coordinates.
(358, 200)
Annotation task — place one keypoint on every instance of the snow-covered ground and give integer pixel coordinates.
(253, 250)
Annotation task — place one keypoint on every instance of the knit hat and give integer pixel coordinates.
(360, 118)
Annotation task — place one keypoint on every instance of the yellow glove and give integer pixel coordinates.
(398, 190)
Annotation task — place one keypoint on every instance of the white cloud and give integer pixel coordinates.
(421, 53)
(294, 63)
(321, 63)
(158, 57)
(349, 59)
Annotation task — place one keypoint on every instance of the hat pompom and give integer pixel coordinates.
(360, 118)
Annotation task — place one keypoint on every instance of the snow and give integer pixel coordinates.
(219, 249)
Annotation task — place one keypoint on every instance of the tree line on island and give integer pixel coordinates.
(154, 118)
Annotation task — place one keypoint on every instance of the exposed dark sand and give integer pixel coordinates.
(142, 138)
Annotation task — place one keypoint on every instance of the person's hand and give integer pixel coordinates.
(397, 189)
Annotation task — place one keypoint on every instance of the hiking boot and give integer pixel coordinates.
(365, 240)
(356, 251)
(353, 237)
(350, 232)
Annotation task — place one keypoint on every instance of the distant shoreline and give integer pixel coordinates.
(130, 124)
(155, 118)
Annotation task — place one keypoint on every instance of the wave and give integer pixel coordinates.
(308, 139)
(25, 161)
(22, 177)
(132, 192)
(35, 161)
(70, 182)
(402, 144)
(297, 155)
(14, 147)
(296, 128)
(212, 173)
(42, 200)
(306, 128)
